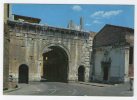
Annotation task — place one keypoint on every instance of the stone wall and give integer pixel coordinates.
(28, 45)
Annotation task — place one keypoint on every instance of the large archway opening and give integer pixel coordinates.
(23, 73)
(81, 73)
(55, 64)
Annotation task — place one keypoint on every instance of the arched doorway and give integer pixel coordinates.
(23, 73)
(55, 64)
(81, 73)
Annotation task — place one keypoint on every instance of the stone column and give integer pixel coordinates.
(6, 58)
(76, 61)
(87, 73)
(126, 64)
(69, 62)
(40, 66)
(38, 62)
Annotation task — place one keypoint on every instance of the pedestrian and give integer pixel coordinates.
(131, 78)
(131, 83)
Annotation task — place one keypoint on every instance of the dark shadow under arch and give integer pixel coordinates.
(81, 73)
(55, 64)
(23, 73)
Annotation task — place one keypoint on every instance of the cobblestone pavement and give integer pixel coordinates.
(72, 89)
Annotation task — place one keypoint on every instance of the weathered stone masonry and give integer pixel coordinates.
(29, 41)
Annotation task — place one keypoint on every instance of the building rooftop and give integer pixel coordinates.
(26, 19)
(113, 35)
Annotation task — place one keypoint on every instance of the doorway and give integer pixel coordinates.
(23, 73)
(81, 73)
(105, 68)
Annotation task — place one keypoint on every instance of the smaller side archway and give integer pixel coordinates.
(23, 74)
(81, 73)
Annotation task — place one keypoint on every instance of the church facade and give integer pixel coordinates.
(113, 54)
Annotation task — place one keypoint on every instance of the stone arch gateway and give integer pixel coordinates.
(30, 44)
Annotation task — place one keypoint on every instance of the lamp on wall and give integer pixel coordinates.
(46, 58)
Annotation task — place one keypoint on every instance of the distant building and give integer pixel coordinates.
(81, 23)
(73, 26)
(113, 54)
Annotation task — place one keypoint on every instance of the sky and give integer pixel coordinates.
(95, 16)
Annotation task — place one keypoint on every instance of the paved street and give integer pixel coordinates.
(72, 89)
